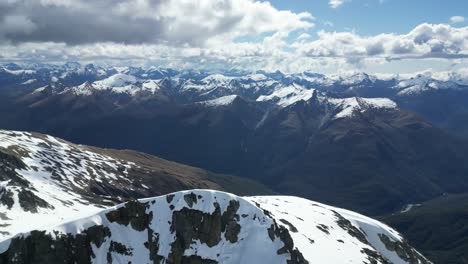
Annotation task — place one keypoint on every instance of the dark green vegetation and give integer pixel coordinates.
(438, 228)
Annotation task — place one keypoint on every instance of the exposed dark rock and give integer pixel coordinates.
(230, 223)
(189, 225)
(42, 248)
(6, 198)
(323, 228)
(153, 246)
(197, 260)
(169, 198)
(403, 250)
(276, 231)
(374, 257)
(118, 248)
(346, 225)
(30, 202)
(291, 227)
(133, 213)
(190, 199)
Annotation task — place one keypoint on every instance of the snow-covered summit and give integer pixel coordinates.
(287, 95)
(118, 83)
(349, 106)
(204, 226)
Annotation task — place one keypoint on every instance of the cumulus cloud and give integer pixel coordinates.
(424, 41)
(206, 34)
(457, 19)
(142, 21)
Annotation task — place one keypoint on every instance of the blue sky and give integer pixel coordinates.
(371, 17)
(381, 36)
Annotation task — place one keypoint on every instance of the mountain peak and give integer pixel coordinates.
(349, 106)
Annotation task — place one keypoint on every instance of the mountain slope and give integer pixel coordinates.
(379, 154)
(214, 227)
(51, 180)
(437, 227)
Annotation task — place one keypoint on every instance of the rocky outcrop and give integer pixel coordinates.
(403, 250)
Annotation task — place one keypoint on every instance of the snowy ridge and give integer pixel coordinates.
(18, 72)
(191, 86)
(218, 227)
(349, 106)
(285, 96)
(47, 180)
(119, 83)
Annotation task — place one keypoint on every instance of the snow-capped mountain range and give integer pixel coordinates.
(266, 88)
(203, 226)
(211, 89)
(259, 83)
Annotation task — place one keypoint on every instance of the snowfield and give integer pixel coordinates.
(53, 179)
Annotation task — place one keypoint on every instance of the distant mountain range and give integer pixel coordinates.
(342, 139)
(439, 98)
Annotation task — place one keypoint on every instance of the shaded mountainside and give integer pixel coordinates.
(202, 226)
(341, 151)
(438, 228)
(51, 180)
(383, 156)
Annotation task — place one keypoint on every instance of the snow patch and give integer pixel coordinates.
(225, 100)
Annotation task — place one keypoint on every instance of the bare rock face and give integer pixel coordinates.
(403, 250)
(210, 227)
(53, 248)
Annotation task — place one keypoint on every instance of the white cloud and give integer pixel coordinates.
(177, 22)
(424, 41)
(457, 19)
(336, 3)
(206, 33)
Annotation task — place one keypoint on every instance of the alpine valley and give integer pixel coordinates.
(373, 144)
